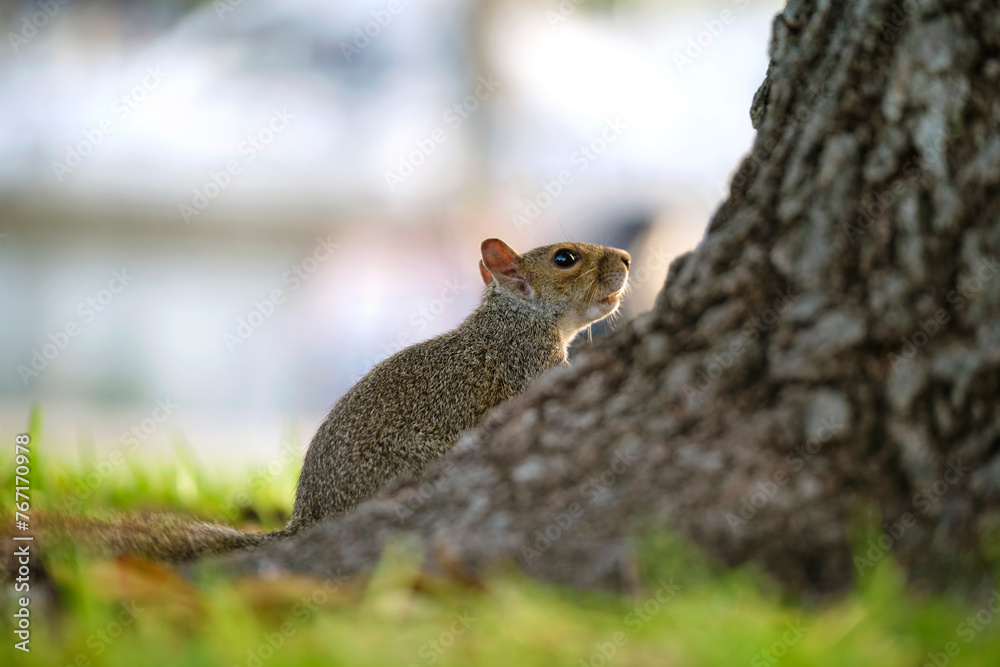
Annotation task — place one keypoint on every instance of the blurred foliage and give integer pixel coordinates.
(689, 611)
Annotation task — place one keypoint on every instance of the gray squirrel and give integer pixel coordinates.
(410, 409)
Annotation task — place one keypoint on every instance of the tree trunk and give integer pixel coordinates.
(833, 344)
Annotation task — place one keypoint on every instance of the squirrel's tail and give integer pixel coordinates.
(155, 536)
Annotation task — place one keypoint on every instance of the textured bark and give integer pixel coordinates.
(833, 343)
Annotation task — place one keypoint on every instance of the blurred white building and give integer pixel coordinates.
(318, 177)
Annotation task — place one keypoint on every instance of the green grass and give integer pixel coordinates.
(133, 613)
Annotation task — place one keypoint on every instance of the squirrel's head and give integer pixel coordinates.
(577, 283)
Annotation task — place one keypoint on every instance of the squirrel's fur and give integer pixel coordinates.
(410, 409)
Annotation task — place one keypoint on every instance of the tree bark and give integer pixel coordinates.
(832, 344)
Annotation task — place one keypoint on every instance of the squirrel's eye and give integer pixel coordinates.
(564, 259)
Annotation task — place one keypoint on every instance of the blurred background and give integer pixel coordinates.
(215, 216)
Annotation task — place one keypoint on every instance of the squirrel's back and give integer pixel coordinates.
(409, 409)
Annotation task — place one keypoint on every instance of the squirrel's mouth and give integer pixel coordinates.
(613, 298)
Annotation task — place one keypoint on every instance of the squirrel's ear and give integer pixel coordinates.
(504, 264)
(485, 273)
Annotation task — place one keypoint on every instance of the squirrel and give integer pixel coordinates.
(409, 409)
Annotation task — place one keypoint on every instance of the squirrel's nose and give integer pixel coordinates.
(626, 259)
